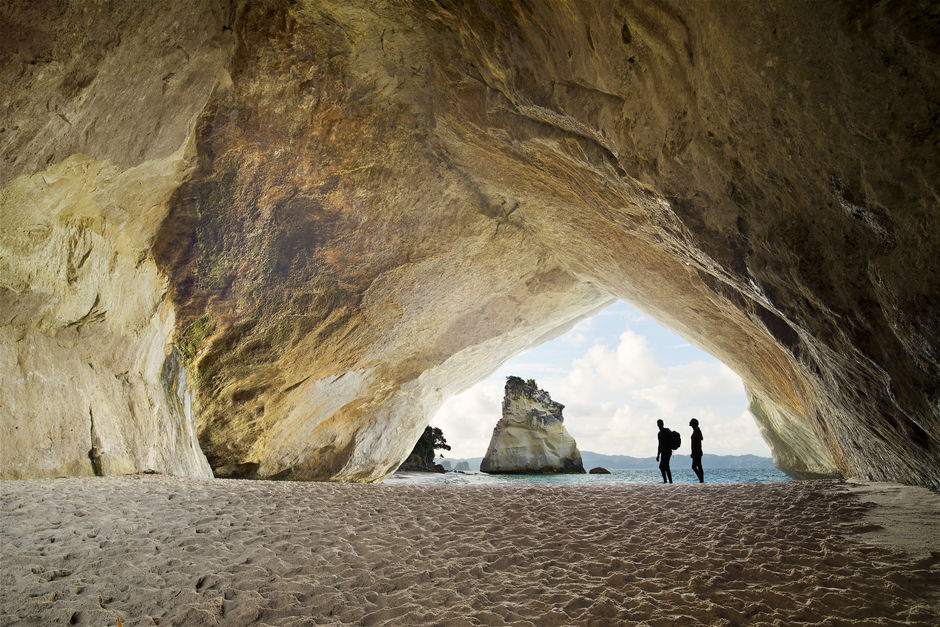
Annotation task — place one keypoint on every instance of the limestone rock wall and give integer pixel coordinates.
(795, 446)
(338, 213)
(96, 133)
(530, 437)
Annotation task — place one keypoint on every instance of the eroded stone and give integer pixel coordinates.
(530, 437)
(372, 206)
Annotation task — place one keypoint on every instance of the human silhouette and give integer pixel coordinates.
(697, 451)
(664, 451)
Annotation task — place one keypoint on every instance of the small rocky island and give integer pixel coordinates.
(531, 438)
(422, 456)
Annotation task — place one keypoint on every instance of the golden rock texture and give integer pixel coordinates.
(339, 213)
(531, 438)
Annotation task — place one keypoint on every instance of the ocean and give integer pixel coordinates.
(679, 475)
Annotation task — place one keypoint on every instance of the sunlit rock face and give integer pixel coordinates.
(530, 437)
(339, 213)
(96, 136)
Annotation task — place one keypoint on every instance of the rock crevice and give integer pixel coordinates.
(336, 214)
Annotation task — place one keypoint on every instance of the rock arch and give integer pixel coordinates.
(332, 215)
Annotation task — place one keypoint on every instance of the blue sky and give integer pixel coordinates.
(616, 373)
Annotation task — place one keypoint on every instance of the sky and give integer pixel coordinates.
(615, 373)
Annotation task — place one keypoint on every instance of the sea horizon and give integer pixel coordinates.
(590, 459)
(618, 475)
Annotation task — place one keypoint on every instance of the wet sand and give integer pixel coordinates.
(171, 551)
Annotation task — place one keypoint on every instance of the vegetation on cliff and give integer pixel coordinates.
(422, 456)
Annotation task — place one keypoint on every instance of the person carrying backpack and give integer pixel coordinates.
(664, 452)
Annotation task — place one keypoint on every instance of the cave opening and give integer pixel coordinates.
(616, 372)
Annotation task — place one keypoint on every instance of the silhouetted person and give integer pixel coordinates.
(697, 451)
(664, 451)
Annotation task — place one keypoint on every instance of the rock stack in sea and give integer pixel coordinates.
(531, 438)
(274, 244)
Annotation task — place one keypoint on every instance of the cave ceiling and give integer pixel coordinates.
(291, 229)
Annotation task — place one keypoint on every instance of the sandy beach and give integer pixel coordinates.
(156, 550)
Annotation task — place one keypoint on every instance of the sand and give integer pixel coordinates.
(173, 551)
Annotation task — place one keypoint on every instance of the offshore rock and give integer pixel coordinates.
(414, 463)
(294, 228)
(530, 438)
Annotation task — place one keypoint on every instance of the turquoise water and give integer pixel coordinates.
(679, 475)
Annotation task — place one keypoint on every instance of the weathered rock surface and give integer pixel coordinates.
(96, 136)
(598, 470)
(530, 437)
(339, 213)
(414, 463)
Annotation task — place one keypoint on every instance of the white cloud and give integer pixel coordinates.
(604, 371)
(575, 339)
(661, 396)
(467, 419)
(538, 370)
(735, 435)
(614, 391)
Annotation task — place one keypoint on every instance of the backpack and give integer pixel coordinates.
(675, 440)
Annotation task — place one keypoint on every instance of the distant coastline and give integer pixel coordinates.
(625, 462)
